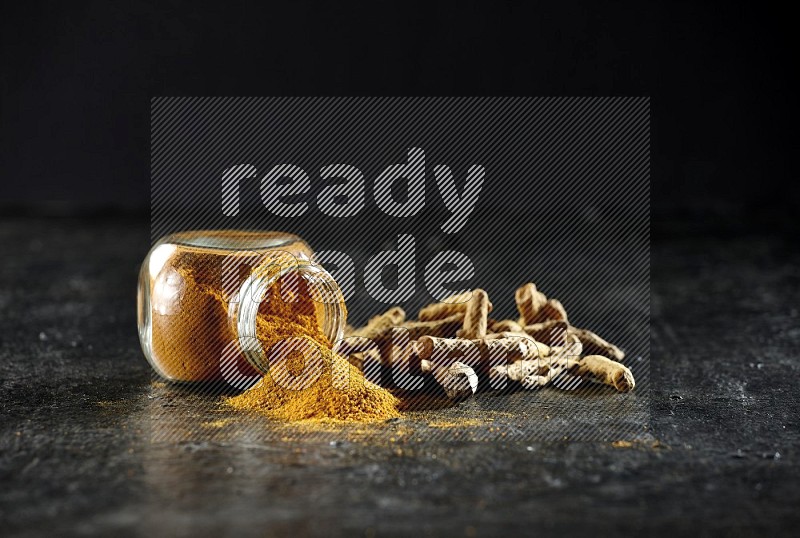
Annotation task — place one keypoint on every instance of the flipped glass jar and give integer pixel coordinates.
(199, 294)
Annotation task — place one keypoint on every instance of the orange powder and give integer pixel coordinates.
(339, 393)
(190, 326)
(313, 382)
(289, 314)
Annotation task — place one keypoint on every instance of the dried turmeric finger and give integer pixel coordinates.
(606, 371)
(521, 369)
(533, 347)
(430, 346)
(594, 345)
(552, 333)
(499, 350)
(458, 380)
(492, 351)
(476, 316)
(535, 381)
(531, 373)
(499, 326)
(447, 307)
(572, 348)
(529, 302)
(552, 310)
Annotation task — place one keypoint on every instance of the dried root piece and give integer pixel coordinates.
(507, 334)
(534, 306)
(444, 327)
(428, 347)
(529, 302)
(498, 350)
(606, 371)
(481, 355)
(552, 333)
(505, 325)
(458, 380)
(486, 350)
(552, 310)
(571, 348)
(562, 363)
(521, 369)
(532, 350)
(594, 345)
(455, 304)
(533, 373)
(476, 316)
(535, 381)
(497, 372)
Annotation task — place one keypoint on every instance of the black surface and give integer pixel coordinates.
(82, 449)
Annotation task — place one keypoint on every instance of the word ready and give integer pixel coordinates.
(346, 197)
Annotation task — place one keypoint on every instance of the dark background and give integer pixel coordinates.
(77, 78)
(78, 409)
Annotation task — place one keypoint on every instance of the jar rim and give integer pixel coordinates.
(232, 239)
(253, 290)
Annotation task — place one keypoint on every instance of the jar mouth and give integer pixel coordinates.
(236, 240)
(321, 286)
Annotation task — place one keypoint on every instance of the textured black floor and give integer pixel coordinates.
(89, 446)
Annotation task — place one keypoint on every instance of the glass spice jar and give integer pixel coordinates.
(199, 295)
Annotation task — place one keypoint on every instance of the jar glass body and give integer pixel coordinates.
(198, 299)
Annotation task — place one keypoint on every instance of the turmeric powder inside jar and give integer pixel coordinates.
(193, 330)
(188, 294)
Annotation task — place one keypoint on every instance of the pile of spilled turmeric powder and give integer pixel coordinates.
(307, 379)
